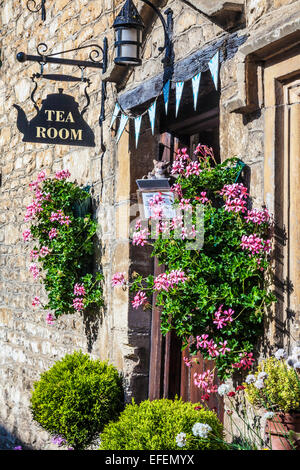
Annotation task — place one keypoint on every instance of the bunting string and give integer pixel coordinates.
(213, 67)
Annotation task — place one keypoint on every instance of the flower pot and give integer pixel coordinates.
(281, 428)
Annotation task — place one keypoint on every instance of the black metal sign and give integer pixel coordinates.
(57, 122)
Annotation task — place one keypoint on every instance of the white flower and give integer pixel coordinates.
(181, 439)
(296, 351)
(201, 430)
(259, 384)
(268, 415)
(223, 389)
(297, 365)
(250, 379)
(280, 354)
(262, 376)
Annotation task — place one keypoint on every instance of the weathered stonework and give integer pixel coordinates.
(122, 336)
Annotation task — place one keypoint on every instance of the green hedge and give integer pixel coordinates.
(154, 425)
(76, 398)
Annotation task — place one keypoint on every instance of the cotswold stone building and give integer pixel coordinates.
(254, 114)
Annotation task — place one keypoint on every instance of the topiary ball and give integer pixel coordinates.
(76, 398)
(154, 425)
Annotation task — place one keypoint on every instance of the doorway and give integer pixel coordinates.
(169, 376)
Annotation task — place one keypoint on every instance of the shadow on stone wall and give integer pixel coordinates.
(92, 318)
(9, 441)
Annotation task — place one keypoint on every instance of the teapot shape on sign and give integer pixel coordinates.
(57, 122)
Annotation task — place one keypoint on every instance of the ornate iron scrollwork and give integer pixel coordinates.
(37, 7)
(97, 59)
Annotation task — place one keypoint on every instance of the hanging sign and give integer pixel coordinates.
(168, 212)
(57, 122)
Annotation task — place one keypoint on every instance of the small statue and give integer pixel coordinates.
(159, 171)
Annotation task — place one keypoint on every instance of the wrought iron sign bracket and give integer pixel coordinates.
(168, 32)
(42, 58)
(37, 7)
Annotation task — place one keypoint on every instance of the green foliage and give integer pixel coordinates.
(70, 258)
(154, 425)
(76, 398)
(220, 273)
(281, 391)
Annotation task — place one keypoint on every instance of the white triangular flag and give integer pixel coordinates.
(214, 68)
(195, 84)
(151, 112)
(179, 88)
(137, 126)
(166, 90)
(115, 114)
(123, 122)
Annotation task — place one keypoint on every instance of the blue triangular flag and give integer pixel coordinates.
(195, 85)
(214, 68)
(123, 122)
(137, 126)
(151, 112)
(179, 88)
(166, 91)
(115, 114)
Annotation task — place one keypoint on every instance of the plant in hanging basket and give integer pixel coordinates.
(62, 230)
(213, 294)
(275, 387)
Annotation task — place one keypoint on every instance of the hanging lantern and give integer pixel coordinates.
(128, 27)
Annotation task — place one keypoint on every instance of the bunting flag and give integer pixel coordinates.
(137, 127)
(115, 114)
(123, 122)
(213, 65)
(214, 69)
(166, 91)
(179, 89)
(152, 112)
(196, 84)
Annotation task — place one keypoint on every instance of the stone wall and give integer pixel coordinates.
(27, 345)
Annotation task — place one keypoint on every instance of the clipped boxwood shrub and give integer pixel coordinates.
(154, 425)
(76, 398)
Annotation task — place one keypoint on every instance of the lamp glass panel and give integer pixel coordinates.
(129, 34)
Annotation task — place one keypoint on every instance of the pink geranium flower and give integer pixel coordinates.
(139, 299)
(36, 301)
(78, 304)
(27, 235)
(33, 268)
(50, 319)
(44, 251)
(223, 347)
(79, 289)
(53, 233)
(118, 279)
(62, 175)
(140, 238)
